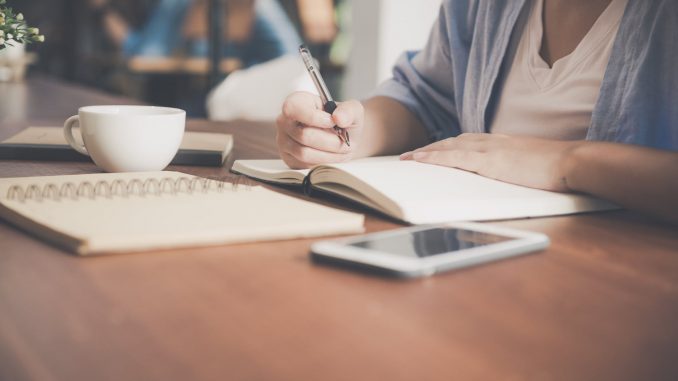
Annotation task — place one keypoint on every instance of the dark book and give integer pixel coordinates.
(48, 143)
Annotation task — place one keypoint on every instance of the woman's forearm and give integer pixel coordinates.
(639, 178)
(389, 128)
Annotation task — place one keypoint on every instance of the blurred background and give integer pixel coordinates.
(164, 52)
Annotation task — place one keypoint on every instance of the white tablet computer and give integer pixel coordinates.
(426, 250)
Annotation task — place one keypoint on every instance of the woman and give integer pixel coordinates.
(564, 95)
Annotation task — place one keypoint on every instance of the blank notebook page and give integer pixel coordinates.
(429, 193)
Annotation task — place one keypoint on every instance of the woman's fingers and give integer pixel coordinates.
(304, 123)
(467, 160)
(305, 134)
(317, 138)
(349, 114)
(306, 108)
(299, 156)
(464, 142)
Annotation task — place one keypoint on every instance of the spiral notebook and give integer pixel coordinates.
(423, 193)
(128, 212)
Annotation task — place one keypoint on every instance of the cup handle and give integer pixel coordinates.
(68, 134)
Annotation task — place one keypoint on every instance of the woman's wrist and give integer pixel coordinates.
(573, 162)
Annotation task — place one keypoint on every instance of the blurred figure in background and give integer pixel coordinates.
(239, 96)
(256, 30)
(317, 19)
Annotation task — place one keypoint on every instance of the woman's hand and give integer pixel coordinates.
(532, 162)
(305, 134)
(636, 177)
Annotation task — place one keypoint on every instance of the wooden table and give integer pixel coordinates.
(600, 304)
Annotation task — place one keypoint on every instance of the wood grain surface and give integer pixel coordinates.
(600, 304)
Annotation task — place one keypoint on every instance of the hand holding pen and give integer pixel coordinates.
(328, 102)
(307, 135)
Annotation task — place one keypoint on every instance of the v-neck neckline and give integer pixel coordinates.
(546, 76)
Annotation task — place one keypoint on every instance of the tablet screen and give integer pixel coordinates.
(429, 242)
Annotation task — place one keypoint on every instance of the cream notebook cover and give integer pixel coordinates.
(423, 193)
(124, 212)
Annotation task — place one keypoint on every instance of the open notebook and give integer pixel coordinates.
(423, 193)
(123, 212)
(48, 143)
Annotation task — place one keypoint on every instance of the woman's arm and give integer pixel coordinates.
(390, 129)
(635, 177)
(421, 93)
(639, 178)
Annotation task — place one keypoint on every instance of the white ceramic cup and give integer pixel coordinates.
(128, 138)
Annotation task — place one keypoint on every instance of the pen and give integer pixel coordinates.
(328, 103)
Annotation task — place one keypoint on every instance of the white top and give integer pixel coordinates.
(556, 102)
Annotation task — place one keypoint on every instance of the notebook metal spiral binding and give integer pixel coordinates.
(125, 188)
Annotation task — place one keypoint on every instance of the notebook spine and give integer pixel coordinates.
(306, 185)
(125, 188)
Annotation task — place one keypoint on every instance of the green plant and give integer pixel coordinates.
(13, 28)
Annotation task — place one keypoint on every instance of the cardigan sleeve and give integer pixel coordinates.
(430, 82)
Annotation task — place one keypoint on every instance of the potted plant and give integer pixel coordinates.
(14, 34)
